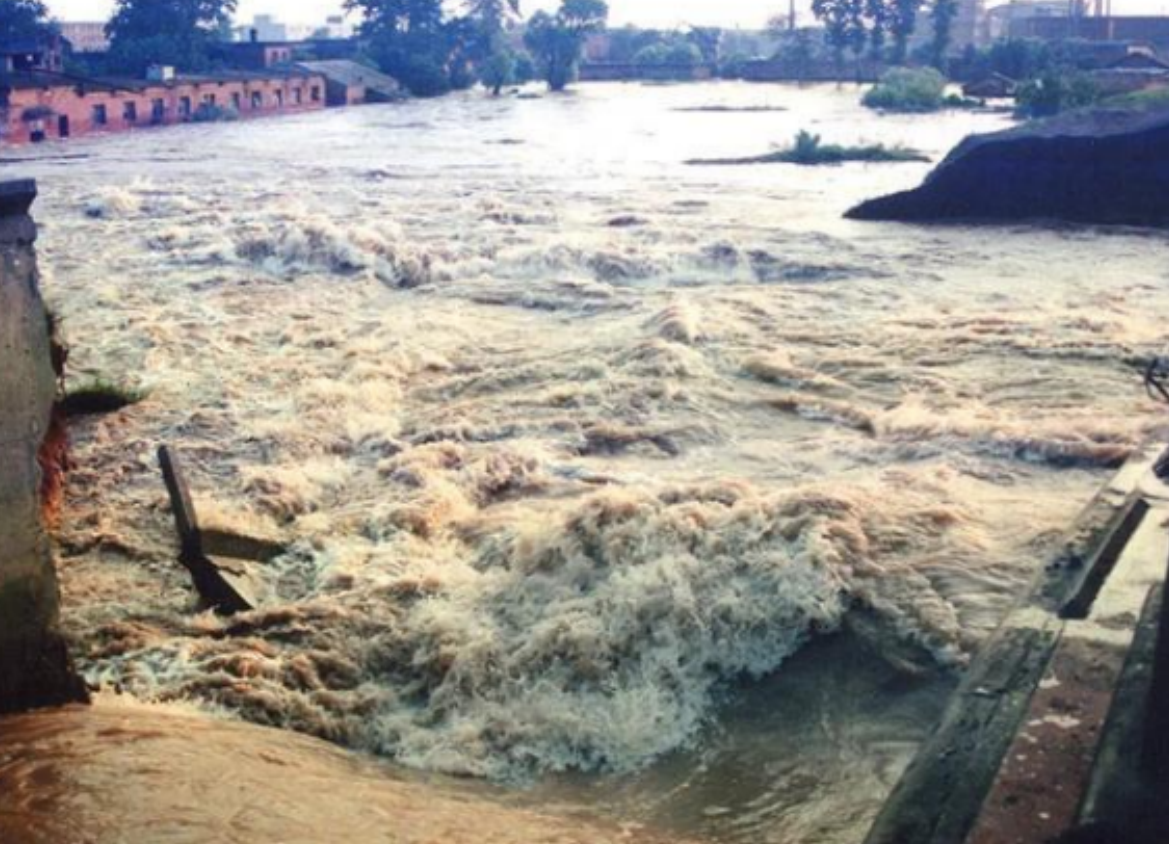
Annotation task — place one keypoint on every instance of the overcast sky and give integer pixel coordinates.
(661, 13)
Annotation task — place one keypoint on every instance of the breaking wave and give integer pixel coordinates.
(595, 639)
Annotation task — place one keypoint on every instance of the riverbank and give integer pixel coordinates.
(123, 772)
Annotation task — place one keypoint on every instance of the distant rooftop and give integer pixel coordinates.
(21, 80)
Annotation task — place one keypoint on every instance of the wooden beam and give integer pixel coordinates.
(939, 798)
(213, 582)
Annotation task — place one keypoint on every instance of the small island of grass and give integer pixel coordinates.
(98, 396)
(809, 150)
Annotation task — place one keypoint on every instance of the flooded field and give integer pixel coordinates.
(652, 489)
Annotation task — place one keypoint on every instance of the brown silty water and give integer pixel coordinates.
(653, 489)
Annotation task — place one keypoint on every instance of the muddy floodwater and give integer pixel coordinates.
(650, 491)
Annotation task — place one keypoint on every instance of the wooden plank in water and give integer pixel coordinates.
(1119, 788)
(940, 796)
(941, 793)
(219, 584)
(182, 505)
(1112, 541)
(1047, 770)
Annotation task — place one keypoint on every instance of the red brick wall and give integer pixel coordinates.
(81, 108)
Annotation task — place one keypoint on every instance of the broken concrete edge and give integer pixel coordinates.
(17, 197)
(35, 669)
(940, 795)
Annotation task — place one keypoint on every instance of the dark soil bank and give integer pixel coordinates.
(1094, 167)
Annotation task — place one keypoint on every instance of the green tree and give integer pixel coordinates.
(843, 22)
(1054, 92)
(492, 16)
(880, 17)
(169, 32)
(902, 25)
(627, 41)
(493, 58)
(557, 41)
(676, 52)
(708, 40)
(499, 70)
(943, 14)
(525, 68)
(800, 53)
(411, 41)
(24, 19)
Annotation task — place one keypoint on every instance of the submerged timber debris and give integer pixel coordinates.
(226, 581)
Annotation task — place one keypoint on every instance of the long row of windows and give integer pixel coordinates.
(101, 116)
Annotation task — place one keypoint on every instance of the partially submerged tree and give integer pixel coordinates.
(168, 32)
(499, 70)
(494, 60)
(557, 41)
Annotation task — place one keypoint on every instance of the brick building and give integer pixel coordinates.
(39, 105)
(349, 83)
(256, 55)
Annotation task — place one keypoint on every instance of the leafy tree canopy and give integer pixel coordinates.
(24, 19)
(557, 41)
(170, 32)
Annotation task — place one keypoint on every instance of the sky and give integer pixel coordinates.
(657, 13)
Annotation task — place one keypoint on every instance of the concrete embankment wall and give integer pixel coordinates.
(34, 666)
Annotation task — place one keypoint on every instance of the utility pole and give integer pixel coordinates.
(791, 15)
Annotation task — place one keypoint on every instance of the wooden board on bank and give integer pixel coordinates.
(975, 763)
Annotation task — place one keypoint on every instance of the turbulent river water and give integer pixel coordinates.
(652, 488)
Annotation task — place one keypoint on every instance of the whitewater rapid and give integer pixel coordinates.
(569, 438)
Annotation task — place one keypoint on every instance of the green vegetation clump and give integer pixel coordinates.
(99, 396)
(908, 90)
(1054, 93)
(809, 150)
(664, 53)
(1151, 99)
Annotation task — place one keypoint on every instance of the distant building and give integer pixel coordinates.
(86, 37)
(994, 87)
(349, 83)
(337, 27)
(1007, 20)
(1139, 30)
(1139, 69)
(968, 28)
(1141, 60)
(597, 47)
(39, 105)
(27, 54)
(266, 28)
(255, 54)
